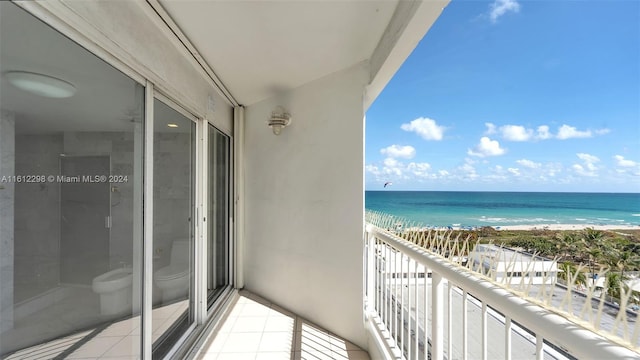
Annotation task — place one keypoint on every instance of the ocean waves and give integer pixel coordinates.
(507, 208)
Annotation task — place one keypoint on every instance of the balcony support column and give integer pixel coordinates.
(437, 318)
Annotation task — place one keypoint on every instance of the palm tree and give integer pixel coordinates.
(627, 259)
(592, 235)
(613, 284)
(577, 278)
(567, 245)
(594, 253)
(592, 241)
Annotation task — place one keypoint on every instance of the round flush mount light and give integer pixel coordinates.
(39, 84)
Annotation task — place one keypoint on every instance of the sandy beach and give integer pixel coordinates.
(567, 227)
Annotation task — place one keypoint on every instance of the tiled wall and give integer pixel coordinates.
(37, 216)
(119, 146)
(37, 208)
(172, 191)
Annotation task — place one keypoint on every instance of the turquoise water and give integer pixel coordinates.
(443, 208)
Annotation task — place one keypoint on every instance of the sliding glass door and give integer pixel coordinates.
(219, 205)
(75, 204)
(71, 134)
(173, 226)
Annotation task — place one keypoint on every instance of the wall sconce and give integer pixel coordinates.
(279, 119)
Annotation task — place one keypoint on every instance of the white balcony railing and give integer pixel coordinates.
(425, 306)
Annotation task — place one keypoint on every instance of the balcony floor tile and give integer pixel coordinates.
(259, 330)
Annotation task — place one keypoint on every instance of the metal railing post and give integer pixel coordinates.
(437, 328)
(370, 281)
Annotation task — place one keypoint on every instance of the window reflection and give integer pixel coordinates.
(173, 229)
(70, 186)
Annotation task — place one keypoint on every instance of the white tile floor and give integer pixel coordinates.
(258, 330)
(120, 340)
(255, 329)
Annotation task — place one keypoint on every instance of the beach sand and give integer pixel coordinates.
(567, 227)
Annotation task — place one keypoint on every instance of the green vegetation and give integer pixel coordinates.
(594, 249)
(589, 249)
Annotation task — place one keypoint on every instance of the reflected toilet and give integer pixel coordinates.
(173, 280)
(114, 289)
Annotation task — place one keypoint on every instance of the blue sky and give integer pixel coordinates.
(513, 95)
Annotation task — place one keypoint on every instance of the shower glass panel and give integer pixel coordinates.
(85, 212)
(70, 198)
(218, 247)
(173, 227)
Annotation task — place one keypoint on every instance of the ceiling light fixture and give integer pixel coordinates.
(172, 125)
(39, 84)
(279, 119)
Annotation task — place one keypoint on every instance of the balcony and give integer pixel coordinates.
(422, 305)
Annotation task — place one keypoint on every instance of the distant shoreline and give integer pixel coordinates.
(566, 227)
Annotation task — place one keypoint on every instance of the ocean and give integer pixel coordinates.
(462, 208)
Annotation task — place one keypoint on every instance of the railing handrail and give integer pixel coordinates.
(580, 341)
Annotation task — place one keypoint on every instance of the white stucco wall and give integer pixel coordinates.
(304, 203)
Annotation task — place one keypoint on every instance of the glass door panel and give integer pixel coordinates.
(218, 242)
(173, 227)
(70, 189)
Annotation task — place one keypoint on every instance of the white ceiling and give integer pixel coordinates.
(262, 47)
(105, 98)
(257, 48)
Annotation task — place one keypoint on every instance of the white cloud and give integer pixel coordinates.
(398, 151)
(501, 7)
(570, 132)
(390, 162)
(622, 162)
(588, 158)
(373, 169)
(392, 169)
(468, 171)
(491, 129)
(626, 166)
(514, 171)
(497, 174)
(419, 166)
(528, 163)
(521, 133)
(580, 170)
(588, 168)
(427, 128)
(419, 169)
(543, 132)
(516, 133)
(486, 147)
